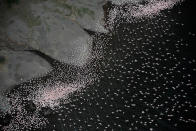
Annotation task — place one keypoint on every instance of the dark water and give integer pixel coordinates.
(146, 85)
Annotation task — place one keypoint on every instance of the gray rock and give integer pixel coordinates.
(20, 66)
(54, 27)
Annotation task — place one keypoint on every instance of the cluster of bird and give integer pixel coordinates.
(140, 77)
